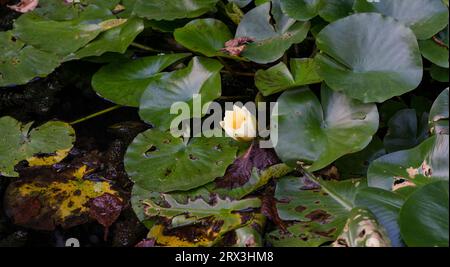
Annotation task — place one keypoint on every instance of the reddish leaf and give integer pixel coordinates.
(25, 6)
(240, 171)
(105, 209)
(236, 46)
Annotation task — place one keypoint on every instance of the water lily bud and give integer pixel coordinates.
(240, 124)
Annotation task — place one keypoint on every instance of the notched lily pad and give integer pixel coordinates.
(42, 146)
(191, 165)
(272, 31)
(316, 134)
(383, 60)
(197, 223)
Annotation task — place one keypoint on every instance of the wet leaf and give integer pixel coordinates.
(424, 217)
(271, 41)
(124, 82)
(317, 133)
(191, 165)
(278, 78)
(105, 209)
(423, 164)
(41, 146)
(49, 199)
(374, 69)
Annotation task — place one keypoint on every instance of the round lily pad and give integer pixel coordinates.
(44, 145)
(424, 17)
(369, 57)
(301, 9)
(318, 134)
(157, 161)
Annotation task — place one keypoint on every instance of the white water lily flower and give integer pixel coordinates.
(240, 124)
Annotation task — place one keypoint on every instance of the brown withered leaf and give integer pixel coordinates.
(240, 171)
(236, 46)
(25, 6)
(105, 209)
(269, 208)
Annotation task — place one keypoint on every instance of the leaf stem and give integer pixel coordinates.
(95, 114)
(146, 48)
(348, 206)
(439, 42)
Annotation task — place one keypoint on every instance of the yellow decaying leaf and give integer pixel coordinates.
(48, 160)
(206, 238)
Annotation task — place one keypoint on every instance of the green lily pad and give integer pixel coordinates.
(424, 17)
(272, 31)
(436, 50)
(191, 165)
(357, 61)
(405, 130)
(115, 40)
(423, 164)
(124, 82)
(170, 10)
(318, 134)
(301, 9)
(333, 10)
(20, 63)
(439, 114)
(424, 217)
(45, 145)
(64, 37)
(278, 78)
(200, 78)
(206, 36)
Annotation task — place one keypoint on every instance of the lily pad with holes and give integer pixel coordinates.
(157, 161)
(124, 82)
(272, 32)
(421, 165)
(208, 222)
(41, 146)
(171, 10)
(317, 134)
(317, 214)
(424, 17)
(201, 78)
(279, 78)
(205, 36)
(382, 61)
(20, 63)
